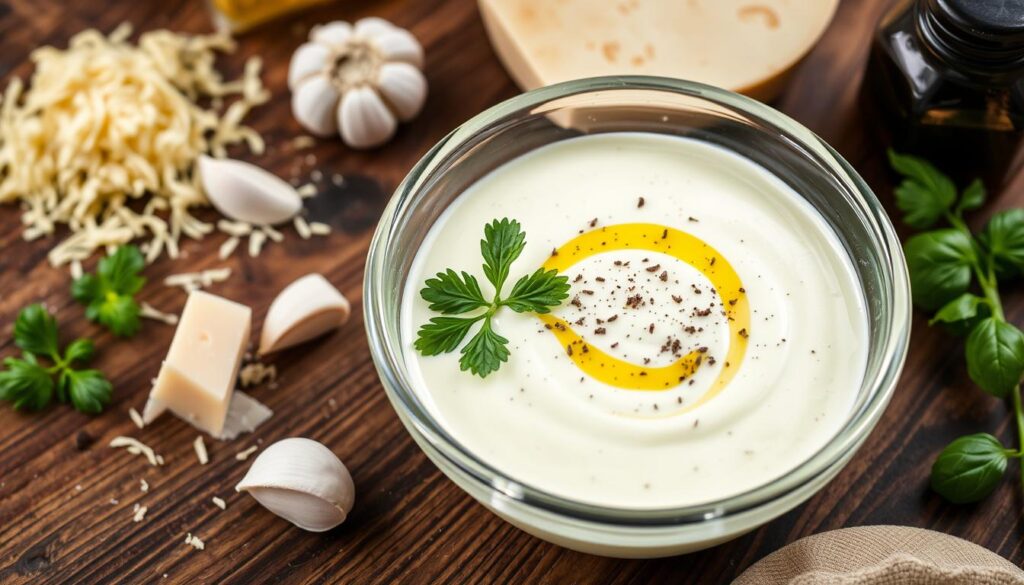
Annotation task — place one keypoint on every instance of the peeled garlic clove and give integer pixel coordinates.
(303, 482)
(371, 26)
(309, 59)
(404, 87)
(315, 103)
(364, 120)
(333, 33)
(399, 45)
(306, 308)
(245, 192)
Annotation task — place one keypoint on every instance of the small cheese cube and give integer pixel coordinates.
(198, 377)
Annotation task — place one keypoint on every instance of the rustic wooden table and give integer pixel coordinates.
(58, 519)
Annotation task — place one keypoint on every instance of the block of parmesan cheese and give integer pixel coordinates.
(743, 45)
(197, 380)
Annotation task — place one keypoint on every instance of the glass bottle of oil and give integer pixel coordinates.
(949, 75)
(240, 15)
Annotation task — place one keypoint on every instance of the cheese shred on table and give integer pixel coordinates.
(104, 138)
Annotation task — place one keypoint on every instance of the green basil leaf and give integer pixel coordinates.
(995, 356)
(973, 197)
(1003, 238)
(940, 266)
(925, 194)
(969, 468)
(962, 314)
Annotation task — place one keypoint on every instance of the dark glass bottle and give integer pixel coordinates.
(949, 75)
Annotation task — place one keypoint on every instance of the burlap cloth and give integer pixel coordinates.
(882, 555)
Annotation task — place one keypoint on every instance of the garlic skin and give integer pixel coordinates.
(358, 81)
(306, 308)
(303, 482)
(245, 192)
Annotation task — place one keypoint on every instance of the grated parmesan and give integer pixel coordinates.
(150, 312)
(220, 503)
(319, 229)
(306, 191)
(256, 373)
(194, 542)
(302, 227)
(136, 447)
(190, 281)
(256, 241)
(136, 418)
(143, 486)
(243, 455)
(228, 247)
(200, 448)
(139, 513)
(106, 122)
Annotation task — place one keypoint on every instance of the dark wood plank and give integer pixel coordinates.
(410, 523)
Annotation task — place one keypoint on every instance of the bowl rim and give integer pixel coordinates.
(865, 414)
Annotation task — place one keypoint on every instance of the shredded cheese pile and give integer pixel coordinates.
(105, 124)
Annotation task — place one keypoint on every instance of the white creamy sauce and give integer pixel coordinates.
(545, 422)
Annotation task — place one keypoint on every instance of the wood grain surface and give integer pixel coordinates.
(66, 514)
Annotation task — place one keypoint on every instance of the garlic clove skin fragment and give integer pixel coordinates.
(303, 310)
(315, 104)
(303, 482)
(364, 120)
(404, 87)
(245, 192)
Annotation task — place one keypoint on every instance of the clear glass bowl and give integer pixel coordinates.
(659, 105)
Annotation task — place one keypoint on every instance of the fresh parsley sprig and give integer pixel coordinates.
(459, 293)
(29, 385)
(944, 264)
(109, 295)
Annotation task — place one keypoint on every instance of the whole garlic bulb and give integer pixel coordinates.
(358, 81)
(303, 482)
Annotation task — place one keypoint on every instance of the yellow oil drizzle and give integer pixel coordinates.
(677, 244)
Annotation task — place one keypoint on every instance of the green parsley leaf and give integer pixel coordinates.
(88, 389)
(969, 468)
(443, 334)
(925, 194)
(973, 197)
(1003, 238)
(485, 353)
(109, 295)
(503, 241)
(538, 292)
(995, 356)
(449, 293)
(962, 314)
(35, 331)
(29, 385)
(79, 350)
(120, 271)
(940, 266)
(25, 384)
